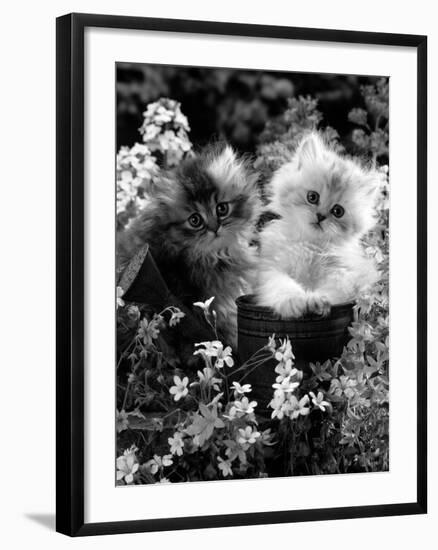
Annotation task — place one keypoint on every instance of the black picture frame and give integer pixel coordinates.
(70, 273)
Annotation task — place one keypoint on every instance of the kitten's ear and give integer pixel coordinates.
(228, 156)
(225, 162)
(224, 165)
(310, 149)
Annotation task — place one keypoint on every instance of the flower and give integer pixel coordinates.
(211, 348)
(165, 129)
(247, 436)
(284, 370)
(180, 389)
(122, 420)
(344, 386)
(207, 378)
(240, 390)
(272, 344)
(279, 406)
(205, 306)
(223, 357)
(120, 293)
(298, 408)
(216, 349)
(242, 407)
(158, 463)
(225, 467)
(149, 330)
(177, 315)
(136, 168)
(318, 401)
(285, 386)
(127, 465)
(216, 400)
(320, 370)
(284, 352)
(176, 444)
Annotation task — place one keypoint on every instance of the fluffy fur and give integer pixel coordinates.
(312, 258)
(199, 225)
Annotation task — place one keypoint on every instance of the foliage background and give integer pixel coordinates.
(233, 104)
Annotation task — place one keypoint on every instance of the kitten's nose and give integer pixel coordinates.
(213, 226)
(320, 217)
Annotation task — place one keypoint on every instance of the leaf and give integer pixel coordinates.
(150, 422)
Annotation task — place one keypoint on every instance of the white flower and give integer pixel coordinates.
(151, 132)
(176, 444)
(225, 467)
(344, 386)
(216, 400)
(126, 176)
(180, 389)
(136, 168)
(272, 344)
(242, 407)
(278, 404)
(285, 386)
(205, 306)
(216, 349)
(140, 149)
(149, 330)
(127, 465)
(284, 352)
(285, 369)
(206, 377)
(158, 463)
(298, 408)
(211, 348)
(318, 400)
(240, 390)
(247, 436)
(223, 356)
(120, 293)
(177, 315)
(122, 420)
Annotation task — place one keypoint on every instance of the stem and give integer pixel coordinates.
(252, 360)
(254, 366)
(126, 395)
(125, 351)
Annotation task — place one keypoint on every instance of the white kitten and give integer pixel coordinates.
(312, 258)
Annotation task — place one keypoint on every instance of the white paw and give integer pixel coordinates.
(293, 306)
(316, 303)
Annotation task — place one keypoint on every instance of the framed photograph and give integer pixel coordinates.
(241, 274)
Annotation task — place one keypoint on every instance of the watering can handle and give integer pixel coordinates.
(142, 282)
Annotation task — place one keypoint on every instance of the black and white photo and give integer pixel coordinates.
(253, 264)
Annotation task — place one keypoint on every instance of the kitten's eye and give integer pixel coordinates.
(196, 220)
(313, 197)
(337, 211)
(222, 209)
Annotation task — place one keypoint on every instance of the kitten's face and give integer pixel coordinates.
(322, 196)
(213, 207)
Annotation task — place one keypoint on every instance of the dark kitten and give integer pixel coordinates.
(199, 224)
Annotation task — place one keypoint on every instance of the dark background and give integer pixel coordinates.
(230, 104)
